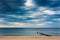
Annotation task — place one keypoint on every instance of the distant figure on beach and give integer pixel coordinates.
(37, 32)
(43, 34)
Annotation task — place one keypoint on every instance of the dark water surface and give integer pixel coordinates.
(29, 31)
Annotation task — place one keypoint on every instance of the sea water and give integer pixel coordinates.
(29, 31)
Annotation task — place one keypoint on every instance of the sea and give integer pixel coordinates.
(29, 31)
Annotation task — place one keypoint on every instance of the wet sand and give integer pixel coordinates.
(29, 37)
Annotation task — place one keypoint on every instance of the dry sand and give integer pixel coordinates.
(29, 37)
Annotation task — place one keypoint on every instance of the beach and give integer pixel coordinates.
(29, 37)
(29, 34)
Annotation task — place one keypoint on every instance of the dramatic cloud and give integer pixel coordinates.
(30, 13)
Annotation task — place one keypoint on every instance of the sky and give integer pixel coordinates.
(30, 13)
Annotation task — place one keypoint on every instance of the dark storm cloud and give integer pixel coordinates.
(47, 3)
(42, 2)
(10, 5)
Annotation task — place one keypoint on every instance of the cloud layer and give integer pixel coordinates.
(30, 14)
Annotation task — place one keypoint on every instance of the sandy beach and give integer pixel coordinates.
(29, 37)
